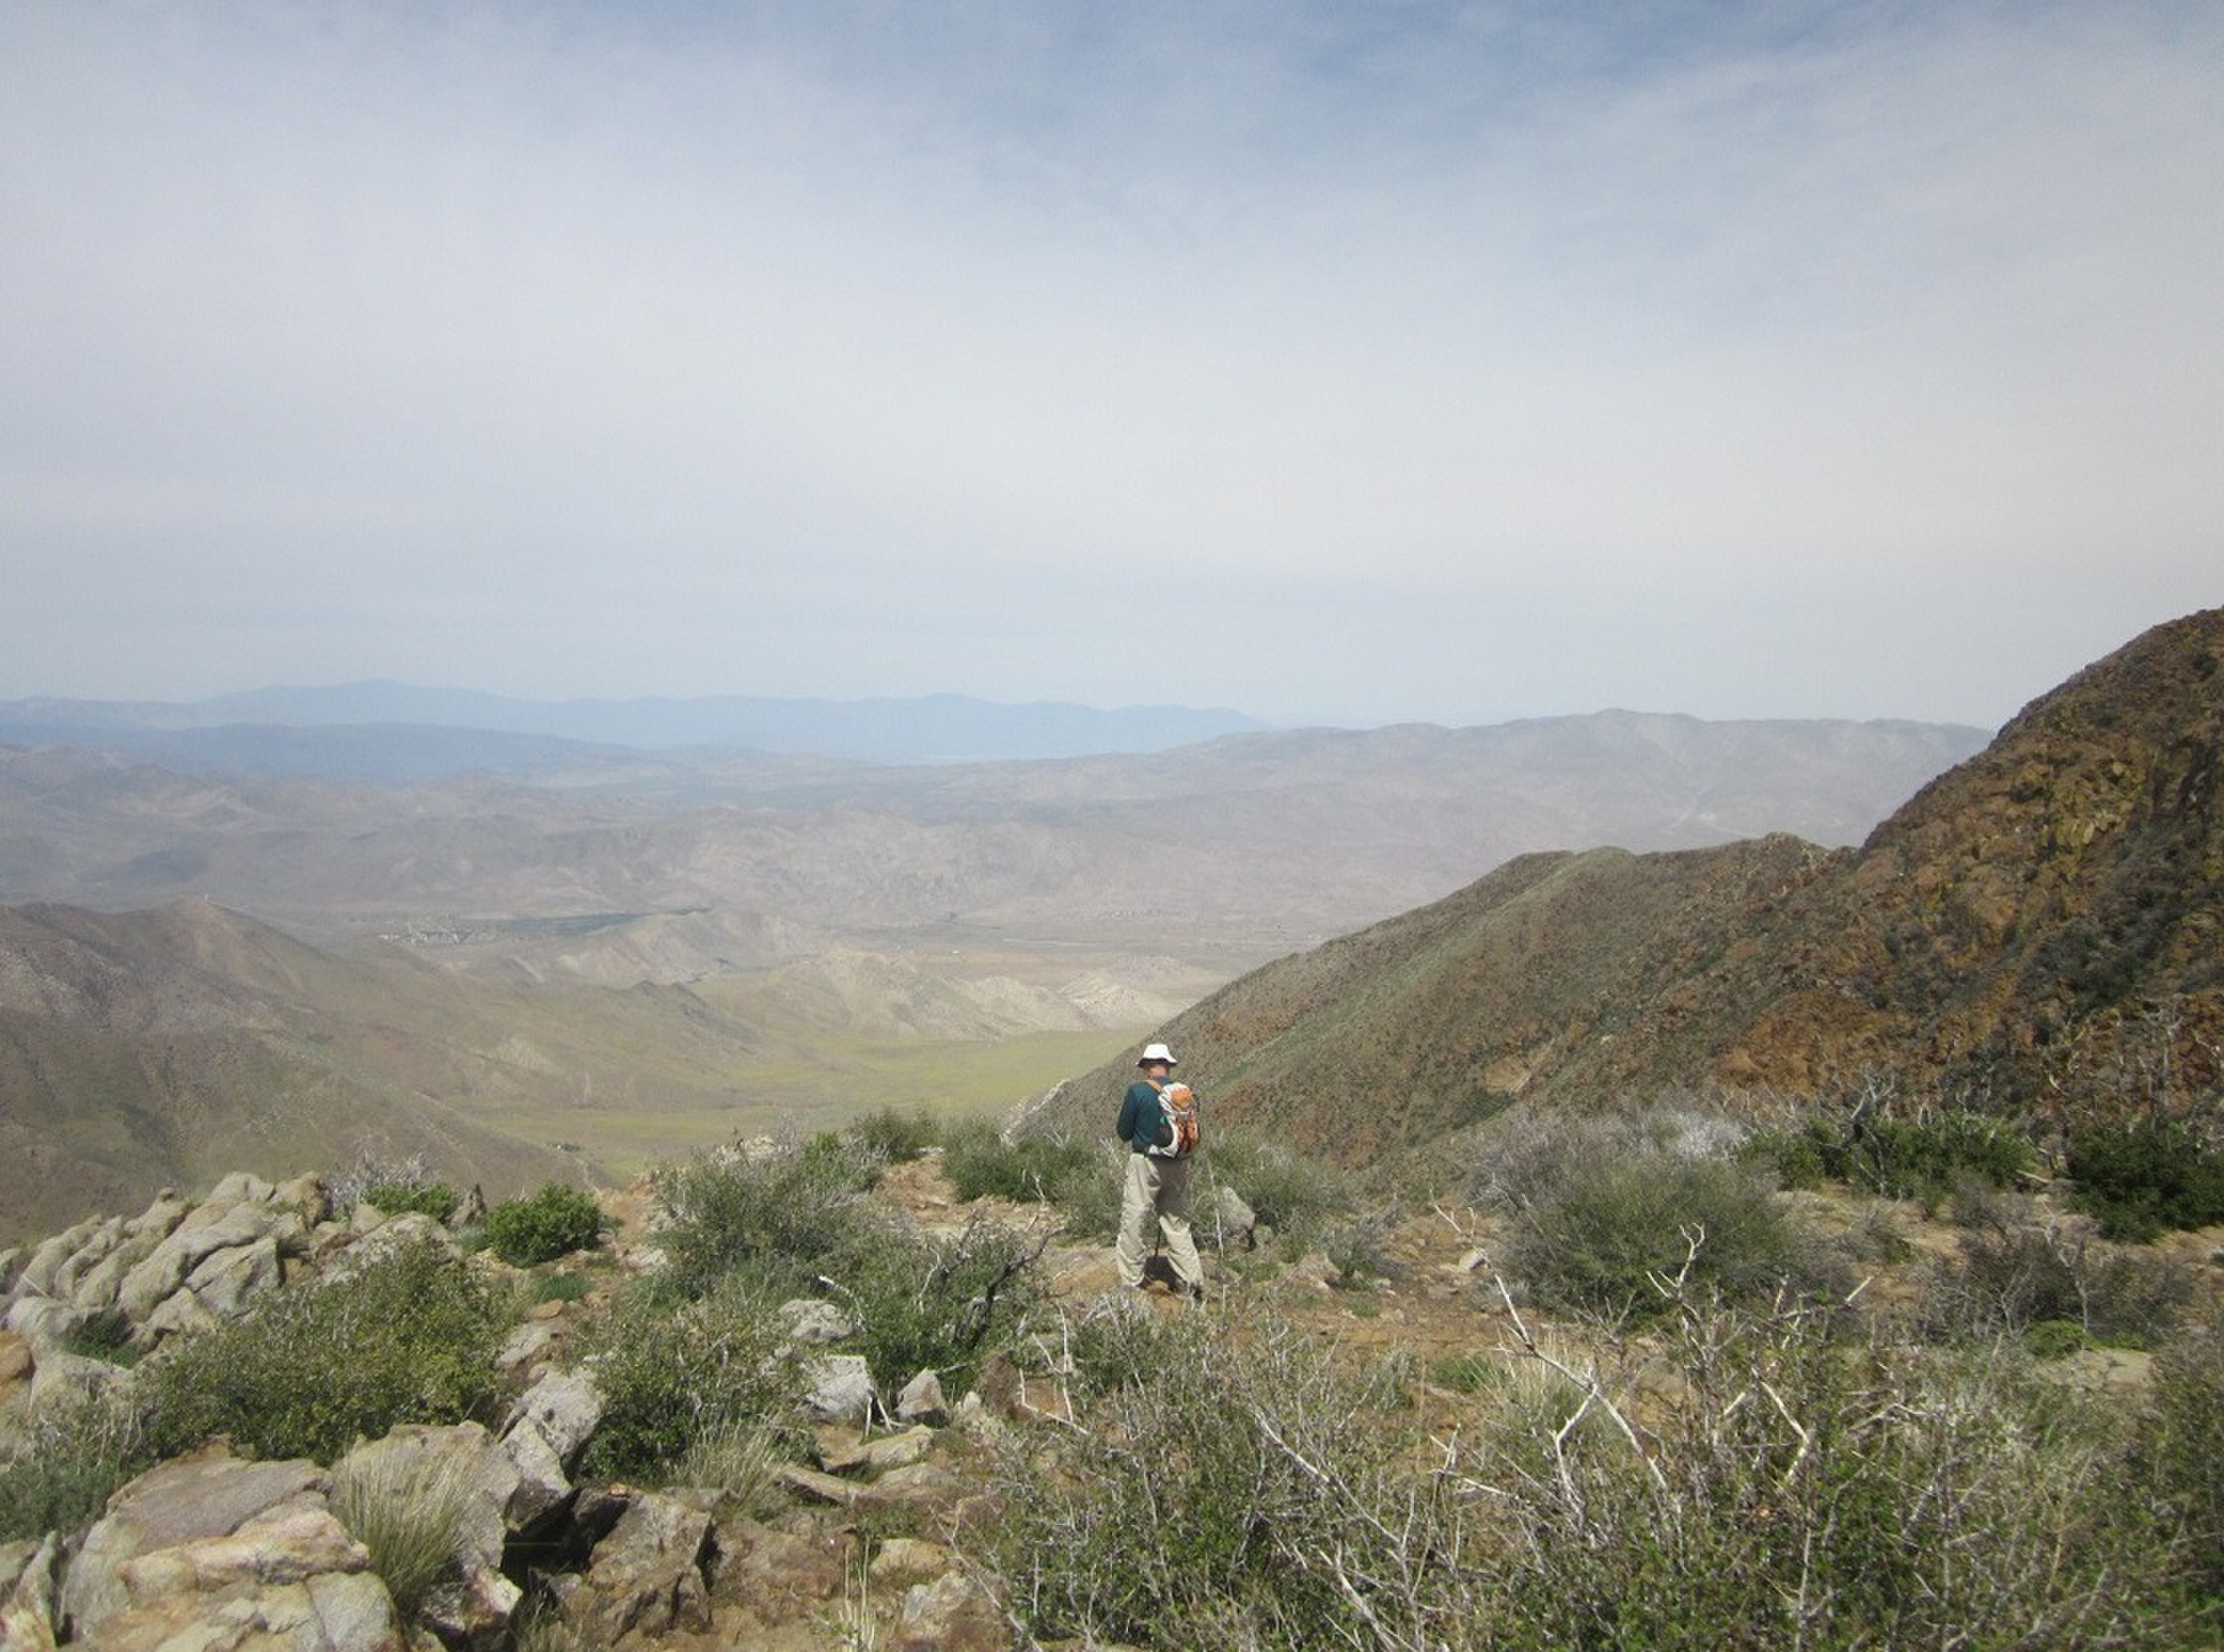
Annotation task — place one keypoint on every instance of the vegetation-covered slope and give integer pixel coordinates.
(2036, 931)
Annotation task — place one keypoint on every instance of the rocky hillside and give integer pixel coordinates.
(2038, 931)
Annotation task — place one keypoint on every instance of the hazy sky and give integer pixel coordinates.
(1351, 362)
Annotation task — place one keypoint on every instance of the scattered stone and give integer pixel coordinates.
(813, 1323)
(781, 1575)
(894, 1450)
(543, 1436)
(909, 1560)
(923, 1400)
(648, 1576)
(953, 1613)
(820, 1487)
(841, 1389)
(1236, 1223)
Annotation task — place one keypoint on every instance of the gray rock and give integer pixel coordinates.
(97, 1289)
(953, 1613)
(64, 1379)
(194, 1241)
(179, 1505)
(1233, 1221)
(160, 1219)
(99, 1243)
(923, 1400)
(306, 1196)
(42, 1321)
(178, 1314)
(28, 1593)
(11, 1262)
(229, 1281)
(812, 1323)
(841, 1389)
(36, 1277)
(239, 1187)
(543, 1437)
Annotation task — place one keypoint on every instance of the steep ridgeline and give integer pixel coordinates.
(2040, 929)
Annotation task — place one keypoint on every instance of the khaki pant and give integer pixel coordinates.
(1160, 1185)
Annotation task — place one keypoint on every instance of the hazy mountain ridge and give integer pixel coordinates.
(396, 730)
(1245, 847)
(2035, 931)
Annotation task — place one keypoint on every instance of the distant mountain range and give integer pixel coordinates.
(1238, 847)
(648, 949)
(394, 732)
(2038, 932)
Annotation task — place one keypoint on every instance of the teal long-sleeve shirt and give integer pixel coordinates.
(1142, 1126)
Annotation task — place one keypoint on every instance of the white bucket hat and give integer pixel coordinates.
(1157, 1052)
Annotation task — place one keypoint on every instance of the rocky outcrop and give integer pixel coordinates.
(209, 1550)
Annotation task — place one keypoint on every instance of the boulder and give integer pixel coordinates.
(229, 1281)
(27, 1594)
(953, 1613)
(648, 1576)
(923, 1400)
(168, 1265)
(841, 1389)
(331, 1612)
(178, 1314)
(42, 1321)
(160, 1219)
(179, 1524)
(465, 1466)
(814, 1323)
(543, 1437)
(240, 1188)
(65, 1379)
(99, 1244)
(36, 1277)
(306, 1196)
(97, 1289)
(1232, 1221)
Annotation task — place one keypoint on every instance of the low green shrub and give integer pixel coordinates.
(772, 1214)
(934, 1304)
(104, 1334)
(1207, 1467)
(428, 1199)
(1606, 1241)
(674, 1378)
(1299, 1197)
(65, 1464)
(542, 1226)
(2144, 1181)
(2012, 1280)
(895, 1137)
(409, 1337)
(562, 1288)
(979, 1163)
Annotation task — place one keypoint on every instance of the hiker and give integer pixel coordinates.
(1154, 1184)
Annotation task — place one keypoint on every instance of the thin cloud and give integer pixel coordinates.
(1418, 362)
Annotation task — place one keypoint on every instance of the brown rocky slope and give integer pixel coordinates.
(2036, 931)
